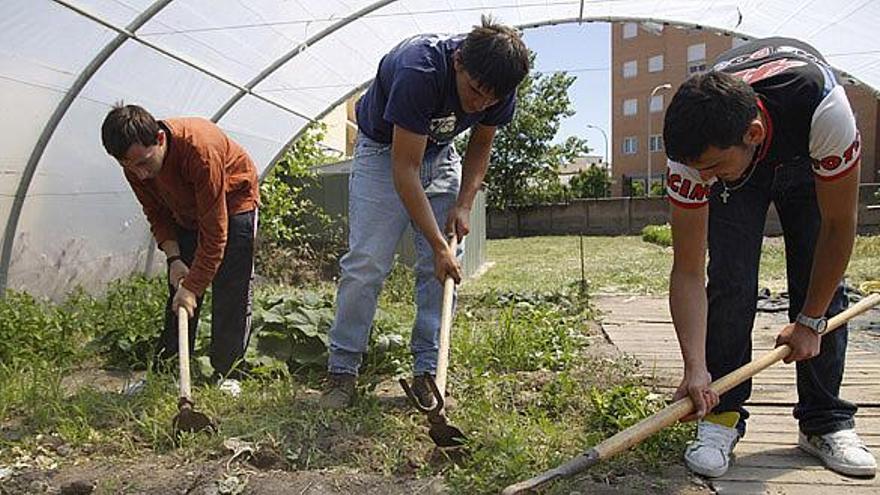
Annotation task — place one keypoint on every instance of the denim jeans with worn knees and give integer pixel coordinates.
(377, 221)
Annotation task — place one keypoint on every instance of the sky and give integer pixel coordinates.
(584, 51)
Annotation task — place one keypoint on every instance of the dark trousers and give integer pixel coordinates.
(232, 296)
(735, 236)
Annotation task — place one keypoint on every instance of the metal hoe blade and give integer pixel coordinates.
(189, 420)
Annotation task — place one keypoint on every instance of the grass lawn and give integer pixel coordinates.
(626, 264)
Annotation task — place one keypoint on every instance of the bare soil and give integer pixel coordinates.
(165, 475)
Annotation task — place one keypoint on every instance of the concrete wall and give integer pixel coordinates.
(627, 216)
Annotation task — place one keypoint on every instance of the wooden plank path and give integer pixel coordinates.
(767, 459)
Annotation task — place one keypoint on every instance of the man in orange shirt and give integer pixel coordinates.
(200, 193)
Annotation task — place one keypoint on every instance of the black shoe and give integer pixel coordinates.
(339, 392)
(423, 392)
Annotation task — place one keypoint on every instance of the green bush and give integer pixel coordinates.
(126, 322)
(510, 331)
(658, 234)
(637, 189)
(622, 406)
(297, 237)
(33, 330)
(591, 183)
(122, 326)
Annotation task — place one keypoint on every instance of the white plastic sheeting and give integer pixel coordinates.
(262, 69)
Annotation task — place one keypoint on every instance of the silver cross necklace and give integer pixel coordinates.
(725, 194)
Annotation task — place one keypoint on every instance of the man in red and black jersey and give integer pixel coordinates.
(768, 123)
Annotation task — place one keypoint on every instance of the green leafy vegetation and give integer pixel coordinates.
(593, 182)
(126, 321)
(31, 330)
(637, 188)
(658, 234)
(290, 331)
(298, 239)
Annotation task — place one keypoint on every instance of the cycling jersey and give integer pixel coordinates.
(806, 111)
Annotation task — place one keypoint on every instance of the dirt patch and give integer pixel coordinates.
(157, 475)
(676, 479)
(99, 379)
(164, 475)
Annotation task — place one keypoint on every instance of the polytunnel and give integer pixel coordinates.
(261, 69)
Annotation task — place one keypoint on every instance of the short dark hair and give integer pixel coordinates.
(709, 109)
(496, 56)
(126, 125)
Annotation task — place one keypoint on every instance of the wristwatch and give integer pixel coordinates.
(818, 325)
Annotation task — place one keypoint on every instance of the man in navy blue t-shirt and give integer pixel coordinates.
(406, 171)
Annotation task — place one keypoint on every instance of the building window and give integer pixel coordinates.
(630, 69)
(696, 61)
(656, 103)
(630, 106)
(655, 63)
(697, 52)
(630, 145)
(630, 30)
(656, 143)
(698, 66)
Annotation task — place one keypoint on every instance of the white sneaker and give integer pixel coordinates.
(709, 454)
(842, 451)
(231, 386)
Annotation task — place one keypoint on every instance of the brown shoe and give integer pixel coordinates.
(422, 390)
(339, 392)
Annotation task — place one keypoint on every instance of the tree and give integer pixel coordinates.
(524, 164)
(590, 183)
(638, 188)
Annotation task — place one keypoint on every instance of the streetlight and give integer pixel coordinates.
(604, 135)
(648, 142)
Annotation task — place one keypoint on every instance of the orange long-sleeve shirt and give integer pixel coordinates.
(205, 177)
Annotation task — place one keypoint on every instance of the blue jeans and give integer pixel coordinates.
(377, 220)
(735, 236)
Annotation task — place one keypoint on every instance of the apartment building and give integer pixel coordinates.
(649, 61)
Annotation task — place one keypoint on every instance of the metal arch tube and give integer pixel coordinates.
(277, 64)
(128, 33)
(49, 129)
(299, 133)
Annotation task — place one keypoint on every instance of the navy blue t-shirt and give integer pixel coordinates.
(415, 89)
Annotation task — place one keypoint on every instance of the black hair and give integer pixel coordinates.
(126, 125)
(709, 109)
(496, 56)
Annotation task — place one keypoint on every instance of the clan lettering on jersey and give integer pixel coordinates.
(768, 69)
(831, 164)
(765, 52)
(684, 186)
(694, 191)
